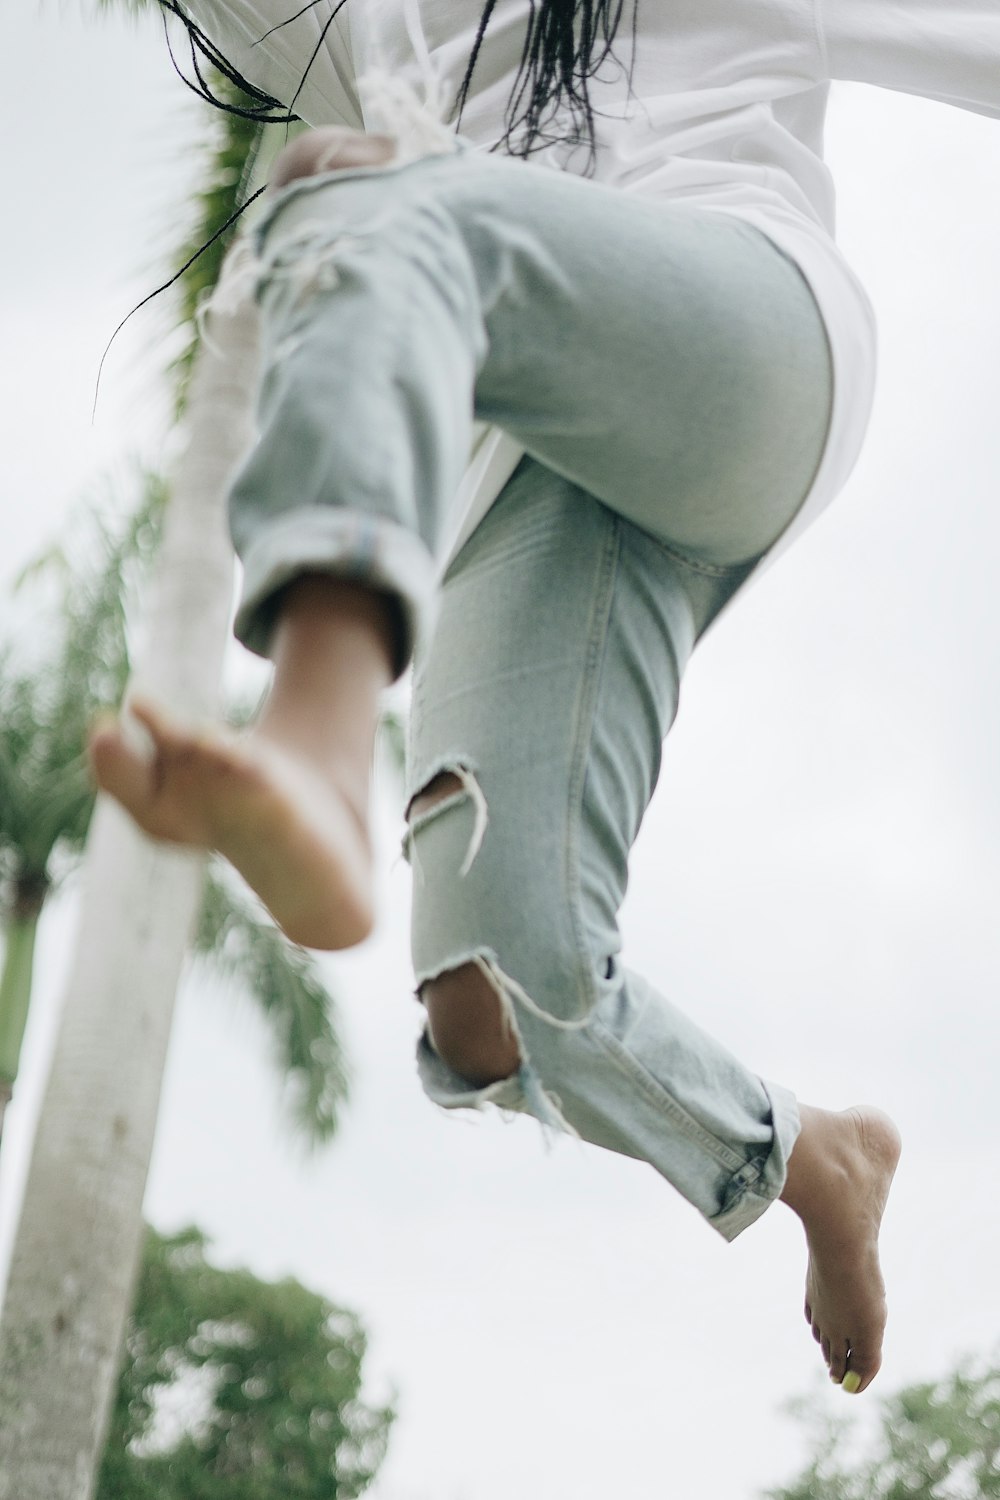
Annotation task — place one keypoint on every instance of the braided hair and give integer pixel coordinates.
(566, 44)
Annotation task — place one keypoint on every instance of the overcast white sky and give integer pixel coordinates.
(817, 881)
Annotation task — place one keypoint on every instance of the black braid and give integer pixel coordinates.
(260, 106)
(566, 44)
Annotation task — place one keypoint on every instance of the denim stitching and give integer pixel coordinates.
(658, 1095)
(696, 565)
(587, 707)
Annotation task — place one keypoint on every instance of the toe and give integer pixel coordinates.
(838, 1363)
(825, 1346)
(864, 1366)
(183, 754)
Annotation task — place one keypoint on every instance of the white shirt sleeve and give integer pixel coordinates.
(273, 53)
(941, 49)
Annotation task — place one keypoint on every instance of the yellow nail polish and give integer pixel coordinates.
(851, 1382)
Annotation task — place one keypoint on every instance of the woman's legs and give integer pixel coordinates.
(662, 379)
(546, 690)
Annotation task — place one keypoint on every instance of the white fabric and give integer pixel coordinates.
(726, 112)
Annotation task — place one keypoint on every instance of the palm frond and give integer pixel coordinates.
(127, 7)
(236, 142)
(51, 688)
(237, 940)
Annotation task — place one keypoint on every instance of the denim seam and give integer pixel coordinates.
(586, 709)
(696, 565)
(658, 1095)
(738, 1215)
(465, 281)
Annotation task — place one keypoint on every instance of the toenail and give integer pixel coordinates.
(851, 1382)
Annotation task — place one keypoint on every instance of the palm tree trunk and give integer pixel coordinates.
(79, 1235)
(15, 993)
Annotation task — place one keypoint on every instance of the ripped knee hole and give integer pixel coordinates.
(469, 1027)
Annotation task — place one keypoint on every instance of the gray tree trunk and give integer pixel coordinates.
(79, 1236)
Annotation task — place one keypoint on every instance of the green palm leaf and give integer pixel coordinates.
(237, 940)
(237, 146)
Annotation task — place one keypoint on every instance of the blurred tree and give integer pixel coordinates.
(79, 1234)
(46, 703)
(78, 1239)
(937, 1441)
(237, 1389)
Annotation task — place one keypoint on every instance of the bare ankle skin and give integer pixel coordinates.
(333, 647)
(839, 1175)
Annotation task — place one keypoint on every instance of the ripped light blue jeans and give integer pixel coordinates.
(667, 371)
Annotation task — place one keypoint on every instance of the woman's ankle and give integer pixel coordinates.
(332, 649)
(317, 610)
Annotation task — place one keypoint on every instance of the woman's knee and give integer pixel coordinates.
(493, 935)
(466, 1020)
(469, 1028)
(327, 149)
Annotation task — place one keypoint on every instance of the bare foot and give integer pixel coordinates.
(297, 837)
(839, 1175)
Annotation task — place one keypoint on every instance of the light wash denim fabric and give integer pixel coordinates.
(668, 373)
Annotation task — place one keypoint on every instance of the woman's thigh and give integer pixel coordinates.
(670, 361)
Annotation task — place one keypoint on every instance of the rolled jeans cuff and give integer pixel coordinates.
(354, 545)
(758, 1184)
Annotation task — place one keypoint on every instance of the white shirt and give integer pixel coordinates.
(727, 112)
